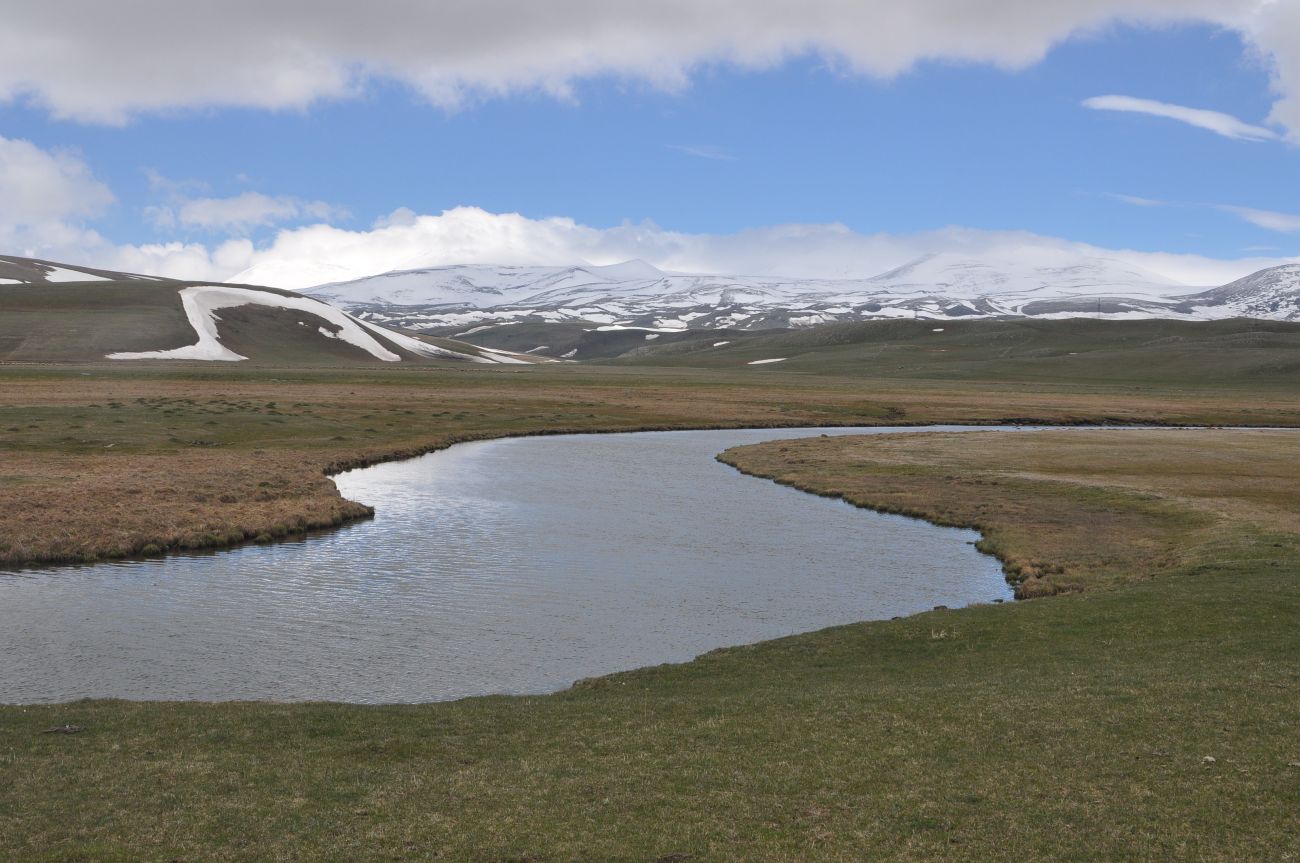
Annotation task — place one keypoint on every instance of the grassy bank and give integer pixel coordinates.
(1064, 511)
(108, 460)
(1146, 718)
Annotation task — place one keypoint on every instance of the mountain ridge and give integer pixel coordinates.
(937, 285)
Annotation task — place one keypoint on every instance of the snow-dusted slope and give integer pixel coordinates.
(637, 294)
(202, 302)
(1272, 293)
(1013, 283)
(140, 312)
(32, 271)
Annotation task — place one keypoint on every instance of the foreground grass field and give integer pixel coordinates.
(1142, 719)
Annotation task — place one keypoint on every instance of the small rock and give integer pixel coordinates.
(1295, 764)
(1209, 759)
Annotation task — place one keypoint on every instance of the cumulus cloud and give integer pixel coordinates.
(1274, 29)
(1221, 124)
(98, 61)
(315, 254)
(45, 197)
(49, 196)
(38, 186)
(239, 213)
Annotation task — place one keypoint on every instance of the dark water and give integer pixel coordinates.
(498, 567)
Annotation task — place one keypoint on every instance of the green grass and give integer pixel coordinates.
(1256, 354)
(78, 322)
(84, 322)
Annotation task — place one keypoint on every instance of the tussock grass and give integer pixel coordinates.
(1063, 510)
(106, 460)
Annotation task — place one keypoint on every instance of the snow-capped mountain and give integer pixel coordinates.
(636, 294)
(1272, 293)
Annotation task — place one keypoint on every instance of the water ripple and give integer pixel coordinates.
(501, 566)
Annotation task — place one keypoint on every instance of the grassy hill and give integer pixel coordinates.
(89, 315)
(1258, 353)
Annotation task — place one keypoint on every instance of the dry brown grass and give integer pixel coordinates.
(109, 460)
(79, 508)
(1063, 510)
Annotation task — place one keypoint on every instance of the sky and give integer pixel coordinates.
(294, 143)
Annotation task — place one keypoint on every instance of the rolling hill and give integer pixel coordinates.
(52, 312)
(1234, 352)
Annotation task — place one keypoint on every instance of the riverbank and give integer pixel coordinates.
(107, 461)
(1146, 718)
(1065, 511)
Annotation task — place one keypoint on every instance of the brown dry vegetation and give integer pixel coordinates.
(110, 460)
(1063, 510)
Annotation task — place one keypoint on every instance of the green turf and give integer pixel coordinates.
(1257, 353)
(78, 322)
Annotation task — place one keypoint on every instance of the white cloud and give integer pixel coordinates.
(48, 195)
(239, 213)
(310, 255)
(1274, 29)
(1287, 223)
(303, 257)
(1219, 123)
(38, 186)
(44, 196)
(1135, 200)
(703, 151)
(91, 60)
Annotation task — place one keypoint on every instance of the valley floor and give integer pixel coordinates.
(1151, 715)
(106, 461)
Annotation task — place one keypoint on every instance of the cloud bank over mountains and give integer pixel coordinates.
(96, 62)
(52, 197)
(100, 62)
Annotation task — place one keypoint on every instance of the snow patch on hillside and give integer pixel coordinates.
(202, 302)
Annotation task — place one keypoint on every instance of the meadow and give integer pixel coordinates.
(1144, 707)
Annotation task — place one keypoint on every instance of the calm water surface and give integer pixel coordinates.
(511, 566)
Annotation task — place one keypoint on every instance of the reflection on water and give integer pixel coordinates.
(501, 566)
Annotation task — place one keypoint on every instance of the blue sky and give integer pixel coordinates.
(804, 141)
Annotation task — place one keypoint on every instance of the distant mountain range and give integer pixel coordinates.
(51, 312)
(939, 286)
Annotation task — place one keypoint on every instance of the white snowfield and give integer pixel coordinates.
(937, 287)
(67, 274)
(765, 362)
(202, 302)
